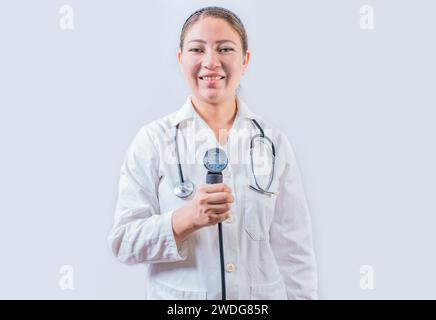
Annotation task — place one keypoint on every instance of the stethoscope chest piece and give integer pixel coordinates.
(184, 189)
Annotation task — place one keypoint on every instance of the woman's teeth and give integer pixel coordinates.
(211, 78)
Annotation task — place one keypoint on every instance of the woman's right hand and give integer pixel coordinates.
(210, 206)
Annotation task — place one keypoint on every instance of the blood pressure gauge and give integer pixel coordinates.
(215, 160)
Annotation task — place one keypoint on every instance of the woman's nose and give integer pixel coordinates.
(211, 60)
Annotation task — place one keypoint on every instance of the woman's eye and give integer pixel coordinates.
(226, 49)
(195, 50)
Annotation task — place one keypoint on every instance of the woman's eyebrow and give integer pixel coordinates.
(222, 41)
(219, 41)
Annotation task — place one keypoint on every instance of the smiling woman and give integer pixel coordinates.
(164, 222)
(213, 56)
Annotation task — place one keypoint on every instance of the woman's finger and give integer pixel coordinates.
(219, 198)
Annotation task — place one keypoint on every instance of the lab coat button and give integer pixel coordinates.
(230, 267)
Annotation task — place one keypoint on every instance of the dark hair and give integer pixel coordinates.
(220, 13)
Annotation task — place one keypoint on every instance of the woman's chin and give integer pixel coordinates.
(212, 96)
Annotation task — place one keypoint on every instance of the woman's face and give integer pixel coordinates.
(212, 60)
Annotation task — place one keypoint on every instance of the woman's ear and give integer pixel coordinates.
(179, 56)
(246, 59)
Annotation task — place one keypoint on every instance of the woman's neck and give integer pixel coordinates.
(213, 114)
(219, 117)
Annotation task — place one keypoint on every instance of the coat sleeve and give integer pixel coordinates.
(142, 234)
(291, 232)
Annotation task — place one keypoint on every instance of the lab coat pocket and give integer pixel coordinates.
(259, 209)
(273, 291)
(162, 291)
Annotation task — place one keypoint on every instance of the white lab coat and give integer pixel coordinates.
(268, 248)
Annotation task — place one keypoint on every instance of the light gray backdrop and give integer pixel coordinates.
(358, 106)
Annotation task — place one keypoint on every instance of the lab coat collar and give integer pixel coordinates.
(188, 112)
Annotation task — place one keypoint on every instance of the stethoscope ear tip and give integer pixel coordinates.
(264, 192)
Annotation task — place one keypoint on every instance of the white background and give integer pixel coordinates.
(358, 106)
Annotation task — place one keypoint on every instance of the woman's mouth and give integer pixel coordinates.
(212, 78)
(211, 81)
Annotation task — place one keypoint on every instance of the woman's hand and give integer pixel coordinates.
(210, 206)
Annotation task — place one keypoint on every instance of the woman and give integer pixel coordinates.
(266, 227)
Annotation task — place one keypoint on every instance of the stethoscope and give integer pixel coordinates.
(184, 188)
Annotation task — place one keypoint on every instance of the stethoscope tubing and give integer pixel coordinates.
(257, 188)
